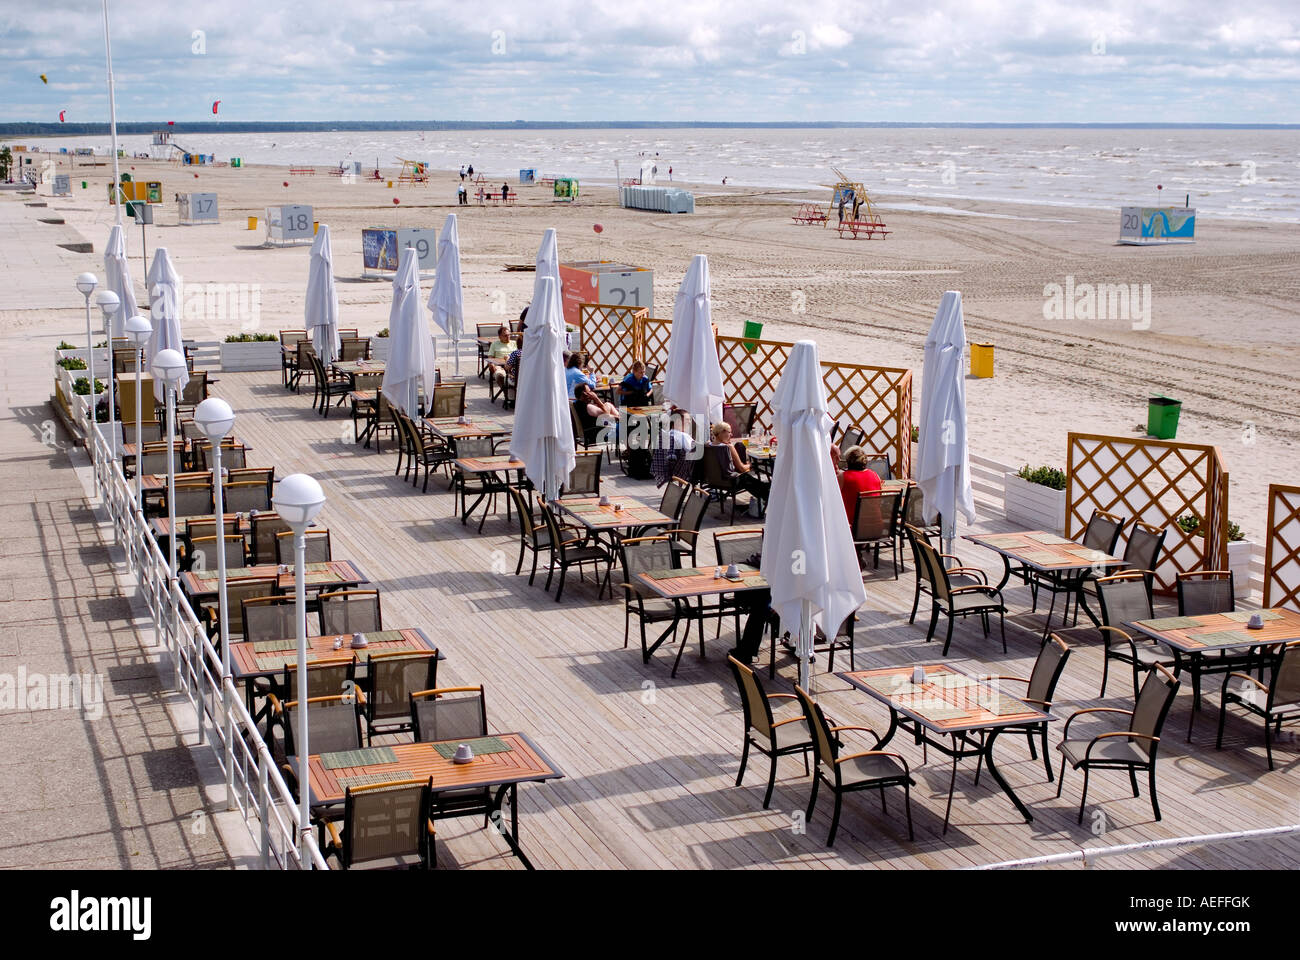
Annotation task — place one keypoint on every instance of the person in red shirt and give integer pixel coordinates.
(856, 479)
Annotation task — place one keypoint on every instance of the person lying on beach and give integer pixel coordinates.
(635, 390)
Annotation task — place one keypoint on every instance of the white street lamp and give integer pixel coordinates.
(298, 500)
(214, 419)
(108, 305)
(86, 284)
(169, 367)
(138, 331)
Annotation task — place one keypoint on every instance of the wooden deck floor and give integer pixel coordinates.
(651, 761)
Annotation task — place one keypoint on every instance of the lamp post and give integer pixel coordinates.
(298, 500)
(138, 331)
(214, 419)
(86, 284)
(169, 366)
(108, 306)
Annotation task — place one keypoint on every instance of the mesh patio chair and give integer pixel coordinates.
(1141, 555)
(448, 400)
(381, 423)
(303, 365)
(463, 484)
(584, 478)
(974, 599)
(1205, 591)
(771, 737)
(1101, 533)
(533, 533)
(1275, 702)
(643, 555)
(853, 436)
(424, 449)
(734, 546)
(203, 552)
(350, 611)
(958, 574)
(266, 528)
(245, 496)
(155, 461)
(363, 411)
(195, 390)
(200, 527)
(1040, 688)
(872, 769)
(740, 417)
(356, 348)
(289, 354)
(879, 464)
(843, 640)
(384, 825)
(233, 455)
(327, 680)
(1132, 749)
(914, 514)
(674, 497)
(685, 537)
(316, 543)
(875, 525)
(717, 478)
(334, 724)
(569, 549)
(237, 591)
(269, 618)
(1124, 598)
(453, 713)
(264, 475)
(349, 333)
(393, 677)
(332, 387)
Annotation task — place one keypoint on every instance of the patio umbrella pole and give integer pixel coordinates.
(805, 644)
(300, 620)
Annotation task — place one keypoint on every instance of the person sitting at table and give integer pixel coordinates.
(635, 390)
(498, 354)
(740, 468)
(671, 455)
(758, 603)
(856, 478)
(593, 412)
(574, 374)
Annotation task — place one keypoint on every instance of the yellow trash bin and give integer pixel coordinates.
(315, 227)
(981, 359)
(390, 184)
(252, 223)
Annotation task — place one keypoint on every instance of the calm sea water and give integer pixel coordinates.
(1253, 174)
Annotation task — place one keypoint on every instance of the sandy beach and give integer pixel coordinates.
(1222, 310)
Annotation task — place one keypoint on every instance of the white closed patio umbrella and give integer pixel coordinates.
(117, 278)
(322, 306)
(692, 375)
(446, 300)
(548, 265)
(410, 358)
(943, 462)
(543, 431)
(164, 285)
(808, 555)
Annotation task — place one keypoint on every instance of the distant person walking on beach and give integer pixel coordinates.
(670, 174)
(462, 173)
(841, 208)
(461, 198)
(471, 170)
(505, 192)
(724, 181)
(857, 205)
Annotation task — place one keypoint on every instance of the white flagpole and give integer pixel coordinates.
(112, 115)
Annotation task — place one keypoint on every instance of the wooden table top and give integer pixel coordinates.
(354, 367)
(650, 411)
(162, 526)
(158, 481)
(950, 700)
(489, 464)
(266, 659)
(1044, 551)
(1222, 631)
(128, 449)
(522, 763)
(589, 512)
(335, 573)
(451, 427)
(700, 582)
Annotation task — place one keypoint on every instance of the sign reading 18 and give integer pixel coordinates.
(298, 222)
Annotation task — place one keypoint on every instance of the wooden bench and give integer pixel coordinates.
(867, 228)
(810, 213)
(302, 171)
(495, 197)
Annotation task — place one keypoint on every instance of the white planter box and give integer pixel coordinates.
(260, 355)
(379, 348)
(1035, 506)
(1239, 554)
(102, 358)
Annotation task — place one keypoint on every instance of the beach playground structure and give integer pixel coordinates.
(413, 171)
(850, 205)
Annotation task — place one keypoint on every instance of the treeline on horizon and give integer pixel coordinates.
(32, 129)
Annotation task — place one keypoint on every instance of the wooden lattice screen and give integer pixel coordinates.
(877, 399)
(1282, 549)
(610, 334)
(1155, 481)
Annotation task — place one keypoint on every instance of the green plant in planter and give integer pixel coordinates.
(382, 333)
(102, 343)
(251, 338)
(1050, 477)
(72, 363)
(916, 433)
(1190, 523)
(64, 345)
(1234, 533)
(81, 386)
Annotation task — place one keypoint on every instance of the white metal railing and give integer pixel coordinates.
(988, 480)
(256, 788)
(1084, 855)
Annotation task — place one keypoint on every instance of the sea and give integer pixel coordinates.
(1230, 173)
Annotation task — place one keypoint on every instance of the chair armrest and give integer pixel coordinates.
(781, 696)
(1245, 676)
(1079, 713)
(1117, 733)
(274, 701)
(851, 727)
(1005, 677)
(335, 839)
(976, 588)
(782, 723)
(969, 571)
(876, 753)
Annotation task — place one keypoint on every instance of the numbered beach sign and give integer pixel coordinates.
(62, 185)
(198, 208)
(602, 281)
(1138, 225)
(289, 222)
(424, 241)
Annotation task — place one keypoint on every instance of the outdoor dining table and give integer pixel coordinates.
(492, 466)
(957, 712)
(332, 575)
(158, 481)
(501, 761)
(355, 368)
(693, 583)
(250, 660)
(619, 514)
(1042, 552)
(450, 428)
(1193, 639)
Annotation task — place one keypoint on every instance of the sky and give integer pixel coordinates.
(1189, 61)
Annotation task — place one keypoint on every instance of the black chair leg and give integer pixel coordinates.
(948, 641)
(835, 818)
(1047, 761)
(1155, 804)
(744, 759)
(1133, 780)
(1083, 797)
(771, 783)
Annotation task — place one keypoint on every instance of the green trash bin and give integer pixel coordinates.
(1162, 417)
(753, 331)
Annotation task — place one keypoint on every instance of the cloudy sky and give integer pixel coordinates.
(732, 60)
